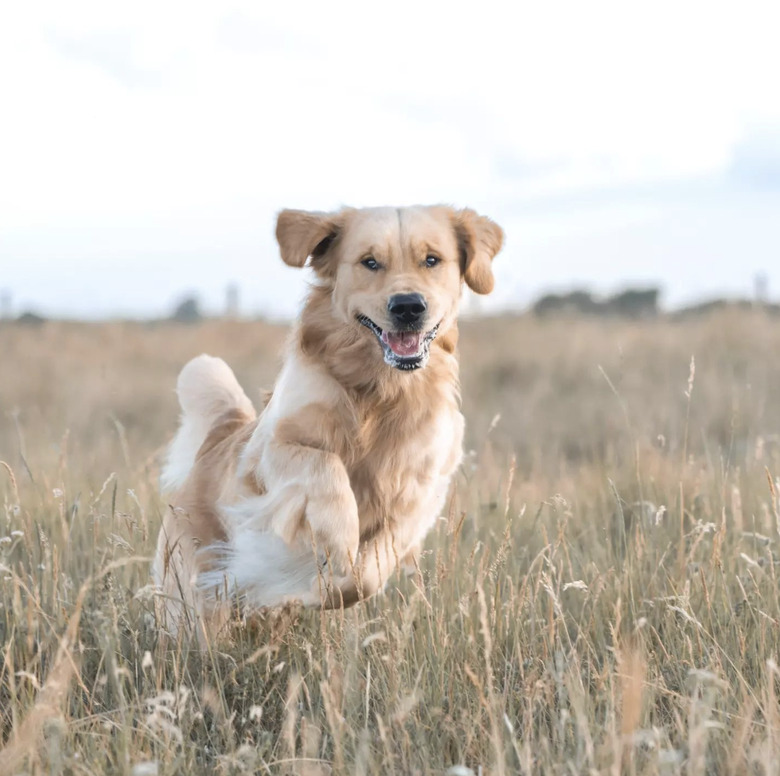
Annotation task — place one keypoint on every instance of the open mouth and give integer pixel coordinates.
(405, 350)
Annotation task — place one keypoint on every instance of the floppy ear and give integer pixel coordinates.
(479, 240)
(301, 234)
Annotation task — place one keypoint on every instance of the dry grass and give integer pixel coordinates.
(602, 596)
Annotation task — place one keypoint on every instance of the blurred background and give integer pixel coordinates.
(146, 148)
(615, 523)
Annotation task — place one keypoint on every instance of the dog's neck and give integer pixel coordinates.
(351, 355)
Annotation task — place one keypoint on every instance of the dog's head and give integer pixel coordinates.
(395, 274)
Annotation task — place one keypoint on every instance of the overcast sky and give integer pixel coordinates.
(146, 147)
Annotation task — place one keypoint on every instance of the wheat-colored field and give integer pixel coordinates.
(600, 597)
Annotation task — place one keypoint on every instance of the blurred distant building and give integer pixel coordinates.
(6, 299)
(761, 288)
(231, 301)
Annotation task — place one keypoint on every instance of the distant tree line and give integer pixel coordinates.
(631, 303)
(636, 303)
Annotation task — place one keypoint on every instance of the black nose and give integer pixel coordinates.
(407, 309)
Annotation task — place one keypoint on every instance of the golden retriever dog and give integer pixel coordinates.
(336, 483)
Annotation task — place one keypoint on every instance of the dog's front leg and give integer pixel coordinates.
(379, 559)
(319, 505)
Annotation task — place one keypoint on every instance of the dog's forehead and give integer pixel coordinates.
(393, 228)
(377, 226)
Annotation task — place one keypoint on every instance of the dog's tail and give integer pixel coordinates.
(207, 389)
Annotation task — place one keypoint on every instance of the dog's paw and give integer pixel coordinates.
(335, 531)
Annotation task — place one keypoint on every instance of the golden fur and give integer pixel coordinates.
(343, 473)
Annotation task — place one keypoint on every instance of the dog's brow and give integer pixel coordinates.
(370, 251)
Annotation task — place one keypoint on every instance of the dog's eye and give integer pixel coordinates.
(431, 261)
(371, 263)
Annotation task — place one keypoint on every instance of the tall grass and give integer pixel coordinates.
(600, 596)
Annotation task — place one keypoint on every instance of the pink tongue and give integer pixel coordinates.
(403, 343)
